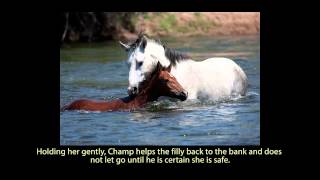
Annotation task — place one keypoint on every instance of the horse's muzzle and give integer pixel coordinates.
(182, 95)
(132, 91)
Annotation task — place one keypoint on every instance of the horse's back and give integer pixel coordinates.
(220, 77)
(220, 62)
(240, 80)
(77, 105)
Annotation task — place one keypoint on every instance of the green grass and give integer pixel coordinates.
(197, 14)
(134, 20)
(199, 23)
(168, 22)
(146, 16)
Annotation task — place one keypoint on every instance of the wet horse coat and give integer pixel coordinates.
(160, 83)
(213, 78)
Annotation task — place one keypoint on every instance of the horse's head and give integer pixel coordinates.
(162, 83)
(143, 57)
(169, 86)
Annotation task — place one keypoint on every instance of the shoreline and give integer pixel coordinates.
(125, 26)
(189, 24)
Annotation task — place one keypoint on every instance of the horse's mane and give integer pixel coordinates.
(173, 55)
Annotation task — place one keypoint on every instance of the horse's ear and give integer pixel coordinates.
(159, 67)
(125, 46)
(142, 34)
(168, 68)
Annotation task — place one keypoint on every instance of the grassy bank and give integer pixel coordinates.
(102, 26)
(198, 23)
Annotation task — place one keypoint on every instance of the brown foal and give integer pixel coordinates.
(160, 83)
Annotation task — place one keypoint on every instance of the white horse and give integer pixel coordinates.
(214, 78)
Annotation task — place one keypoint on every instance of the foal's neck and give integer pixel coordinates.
(148, 94)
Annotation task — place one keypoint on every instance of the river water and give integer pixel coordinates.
(98, 71)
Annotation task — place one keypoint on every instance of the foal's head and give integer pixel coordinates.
(162, 83)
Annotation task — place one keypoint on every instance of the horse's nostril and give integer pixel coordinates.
(134, 90)
(185, 93)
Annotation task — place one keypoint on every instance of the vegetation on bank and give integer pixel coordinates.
(102, 26)
(95, 26)
(173, 24)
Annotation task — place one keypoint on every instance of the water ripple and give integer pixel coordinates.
(99, 72)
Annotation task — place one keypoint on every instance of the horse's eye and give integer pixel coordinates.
(140, 64)
(166, 80)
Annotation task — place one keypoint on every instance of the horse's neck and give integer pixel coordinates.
(129, 103)
(115, 104)
(182, 68)
(148, 94)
